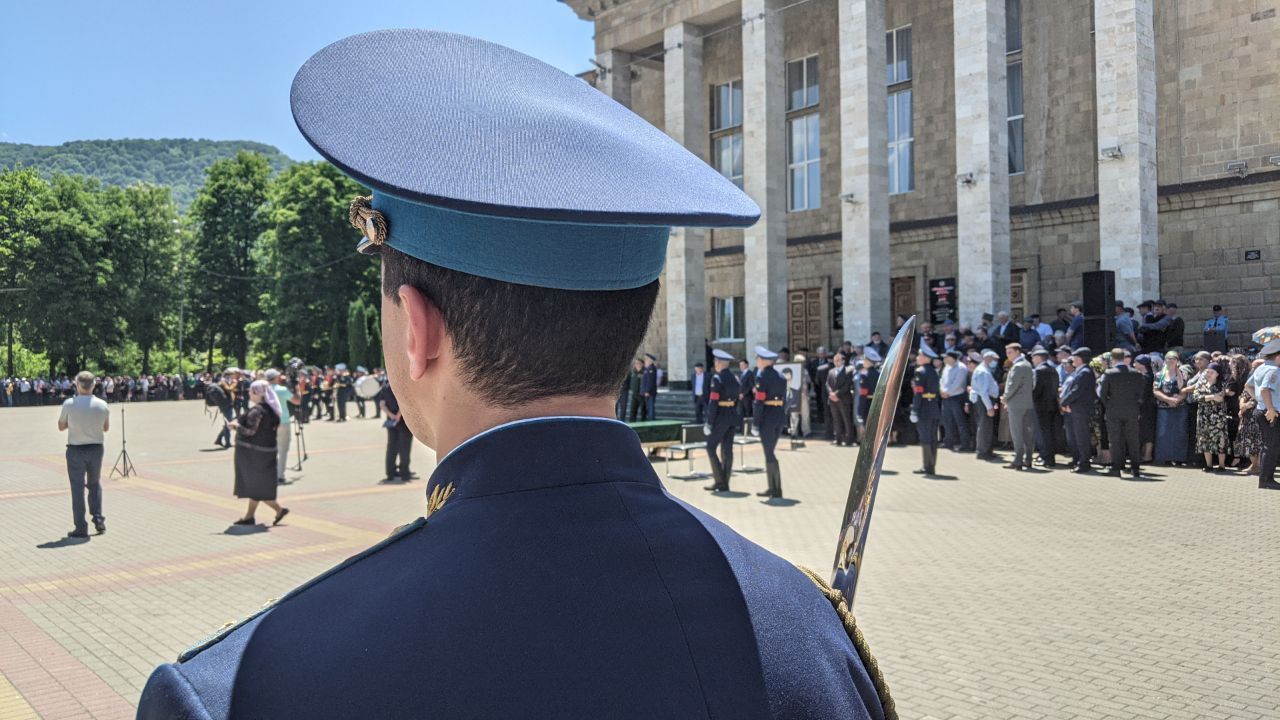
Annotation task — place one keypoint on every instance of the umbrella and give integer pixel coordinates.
(1267, 334)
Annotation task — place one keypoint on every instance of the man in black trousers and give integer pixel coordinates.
(1121, 396)
(839, 387)
(399, 439)
(1078, 396)
(1044, 396)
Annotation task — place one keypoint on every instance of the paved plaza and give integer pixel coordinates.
(986, 594)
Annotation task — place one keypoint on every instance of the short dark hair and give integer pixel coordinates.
(508, 336)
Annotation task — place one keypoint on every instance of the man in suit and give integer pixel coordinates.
(839, 396)
(1079, 393)
(821, 368)
(614, 600)
(1044, 395)
(700, 388)
(1006, 331)
(1121, 397)
(1020, 407)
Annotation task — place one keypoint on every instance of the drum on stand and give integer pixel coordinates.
(368, 387)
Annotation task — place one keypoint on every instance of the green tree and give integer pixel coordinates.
(223, 284)
(373, 321)
(357, 333)
(308, 249)
(73, 313)
(141, 222)
(22, 194)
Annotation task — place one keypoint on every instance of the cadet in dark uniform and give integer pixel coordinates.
(649, 387)
(344, 384)
(722, 420)
(747, 385)
(926, 408)
(521, 218)
(769, 416)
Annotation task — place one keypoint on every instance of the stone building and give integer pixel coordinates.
(999, 148)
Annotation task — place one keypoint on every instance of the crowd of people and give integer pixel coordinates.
(42, 390)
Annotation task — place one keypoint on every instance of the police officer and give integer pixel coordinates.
(926, 408)
(722, 421)
(768, 415)
(515, 206)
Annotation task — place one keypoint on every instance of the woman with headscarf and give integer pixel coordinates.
(1172, 412)
(256, 452)
(1209, 395)
(1249, 434)
(1236, 367)
(1147, 409)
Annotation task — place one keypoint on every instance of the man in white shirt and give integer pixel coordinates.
(984, 393)
(85, 419)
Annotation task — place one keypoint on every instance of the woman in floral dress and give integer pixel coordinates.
(1209, 397)
(1249, 435)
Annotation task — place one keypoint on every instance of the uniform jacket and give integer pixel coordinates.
(770, 387)
(867, 380)
(1079, 392)
(1017, 386)
(723, 388)
(1121, 392)
(1044, 391)
(926, 403)
(557, 579)
(649, 380)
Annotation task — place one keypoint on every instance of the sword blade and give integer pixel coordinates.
(866, 472)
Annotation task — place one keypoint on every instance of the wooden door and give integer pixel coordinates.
(904, 296)
(804, 319)
(1017, 295)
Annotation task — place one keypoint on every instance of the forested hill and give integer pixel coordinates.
(180, 164)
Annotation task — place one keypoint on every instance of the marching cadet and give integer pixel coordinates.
(769, 416)
(926, 408)
(515, 206)
(722, 421)
(868, 378)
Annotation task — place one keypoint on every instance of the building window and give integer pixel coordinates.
(729, 319)
(898, 55)
(802, 83)
(901, 138)
(804, 155)
(1013, 25)
(726, 130)
(726, 156)
(1016, 154)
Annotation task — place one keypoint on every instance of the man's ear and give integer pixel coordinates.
(424, 330)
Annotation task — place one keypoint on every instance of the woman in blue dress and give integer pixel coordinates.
(1172, 412)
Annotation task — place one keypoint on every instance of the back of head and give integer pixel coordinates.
(85, 380)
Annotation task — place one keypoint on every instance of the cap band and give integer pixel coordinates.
(551, 254)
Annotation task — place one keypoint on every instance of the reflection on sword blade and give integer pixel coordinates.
(866, 472)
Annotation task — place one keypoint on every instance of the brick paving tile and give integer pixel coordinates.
(990, 595)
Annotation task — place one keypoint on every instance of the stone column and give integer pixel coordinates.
(764, 169)
(615, 75)
(864, 184)
(686, 117)
(982, 158)
(1127, 206)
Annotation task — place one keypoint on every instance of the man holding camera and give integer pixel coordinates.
(85, 419)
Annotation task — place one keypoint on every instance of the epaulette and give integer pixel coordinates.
(232, 626)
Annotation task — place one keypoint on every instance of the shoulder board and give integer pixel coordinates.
(232, 626)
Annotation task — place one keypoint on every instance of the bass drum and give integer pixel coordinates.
(368, 387)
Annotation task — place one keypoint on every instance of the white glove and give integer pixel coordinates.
(755, 432)
(706, 429)
(915, 418)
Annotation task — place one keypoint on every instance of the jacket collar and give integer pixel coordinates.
(543, 453)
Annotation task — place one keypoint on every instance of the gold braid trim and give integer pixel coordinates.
(367, 220)
(859, 642)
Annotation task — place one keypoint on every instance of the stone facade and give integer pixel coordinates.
(1217, 83)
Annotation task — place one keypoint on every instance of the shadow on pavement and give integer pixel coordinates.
(62, 542)
(935, 476)
(730, 494)
(781, 502)
(245, 529)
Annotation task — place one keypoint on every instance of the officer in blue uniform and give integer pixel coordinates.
(769, 415)
(926, 408)
(722, 420)
(649, 387)
(519, 213)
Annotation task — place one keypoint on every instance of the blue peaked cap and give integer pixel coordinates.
(490, 162)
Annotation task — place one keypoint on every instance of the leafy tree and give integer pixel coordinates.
(308, 250)
(357, 333)
(373, 321)
(22, 194)
(141, 222)
(74, 308)
(229, 214)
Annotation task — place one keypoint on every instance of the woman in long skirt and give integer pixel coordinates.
(256, 452)
(1249, 435)
(1146, 409)
(1209, 396)
(1172, 412)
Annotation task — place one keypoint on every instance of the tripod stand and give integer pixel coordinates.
(300, 444)
(124, 464)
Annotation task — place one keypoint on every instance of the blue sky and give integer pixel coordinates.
(219, 69)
